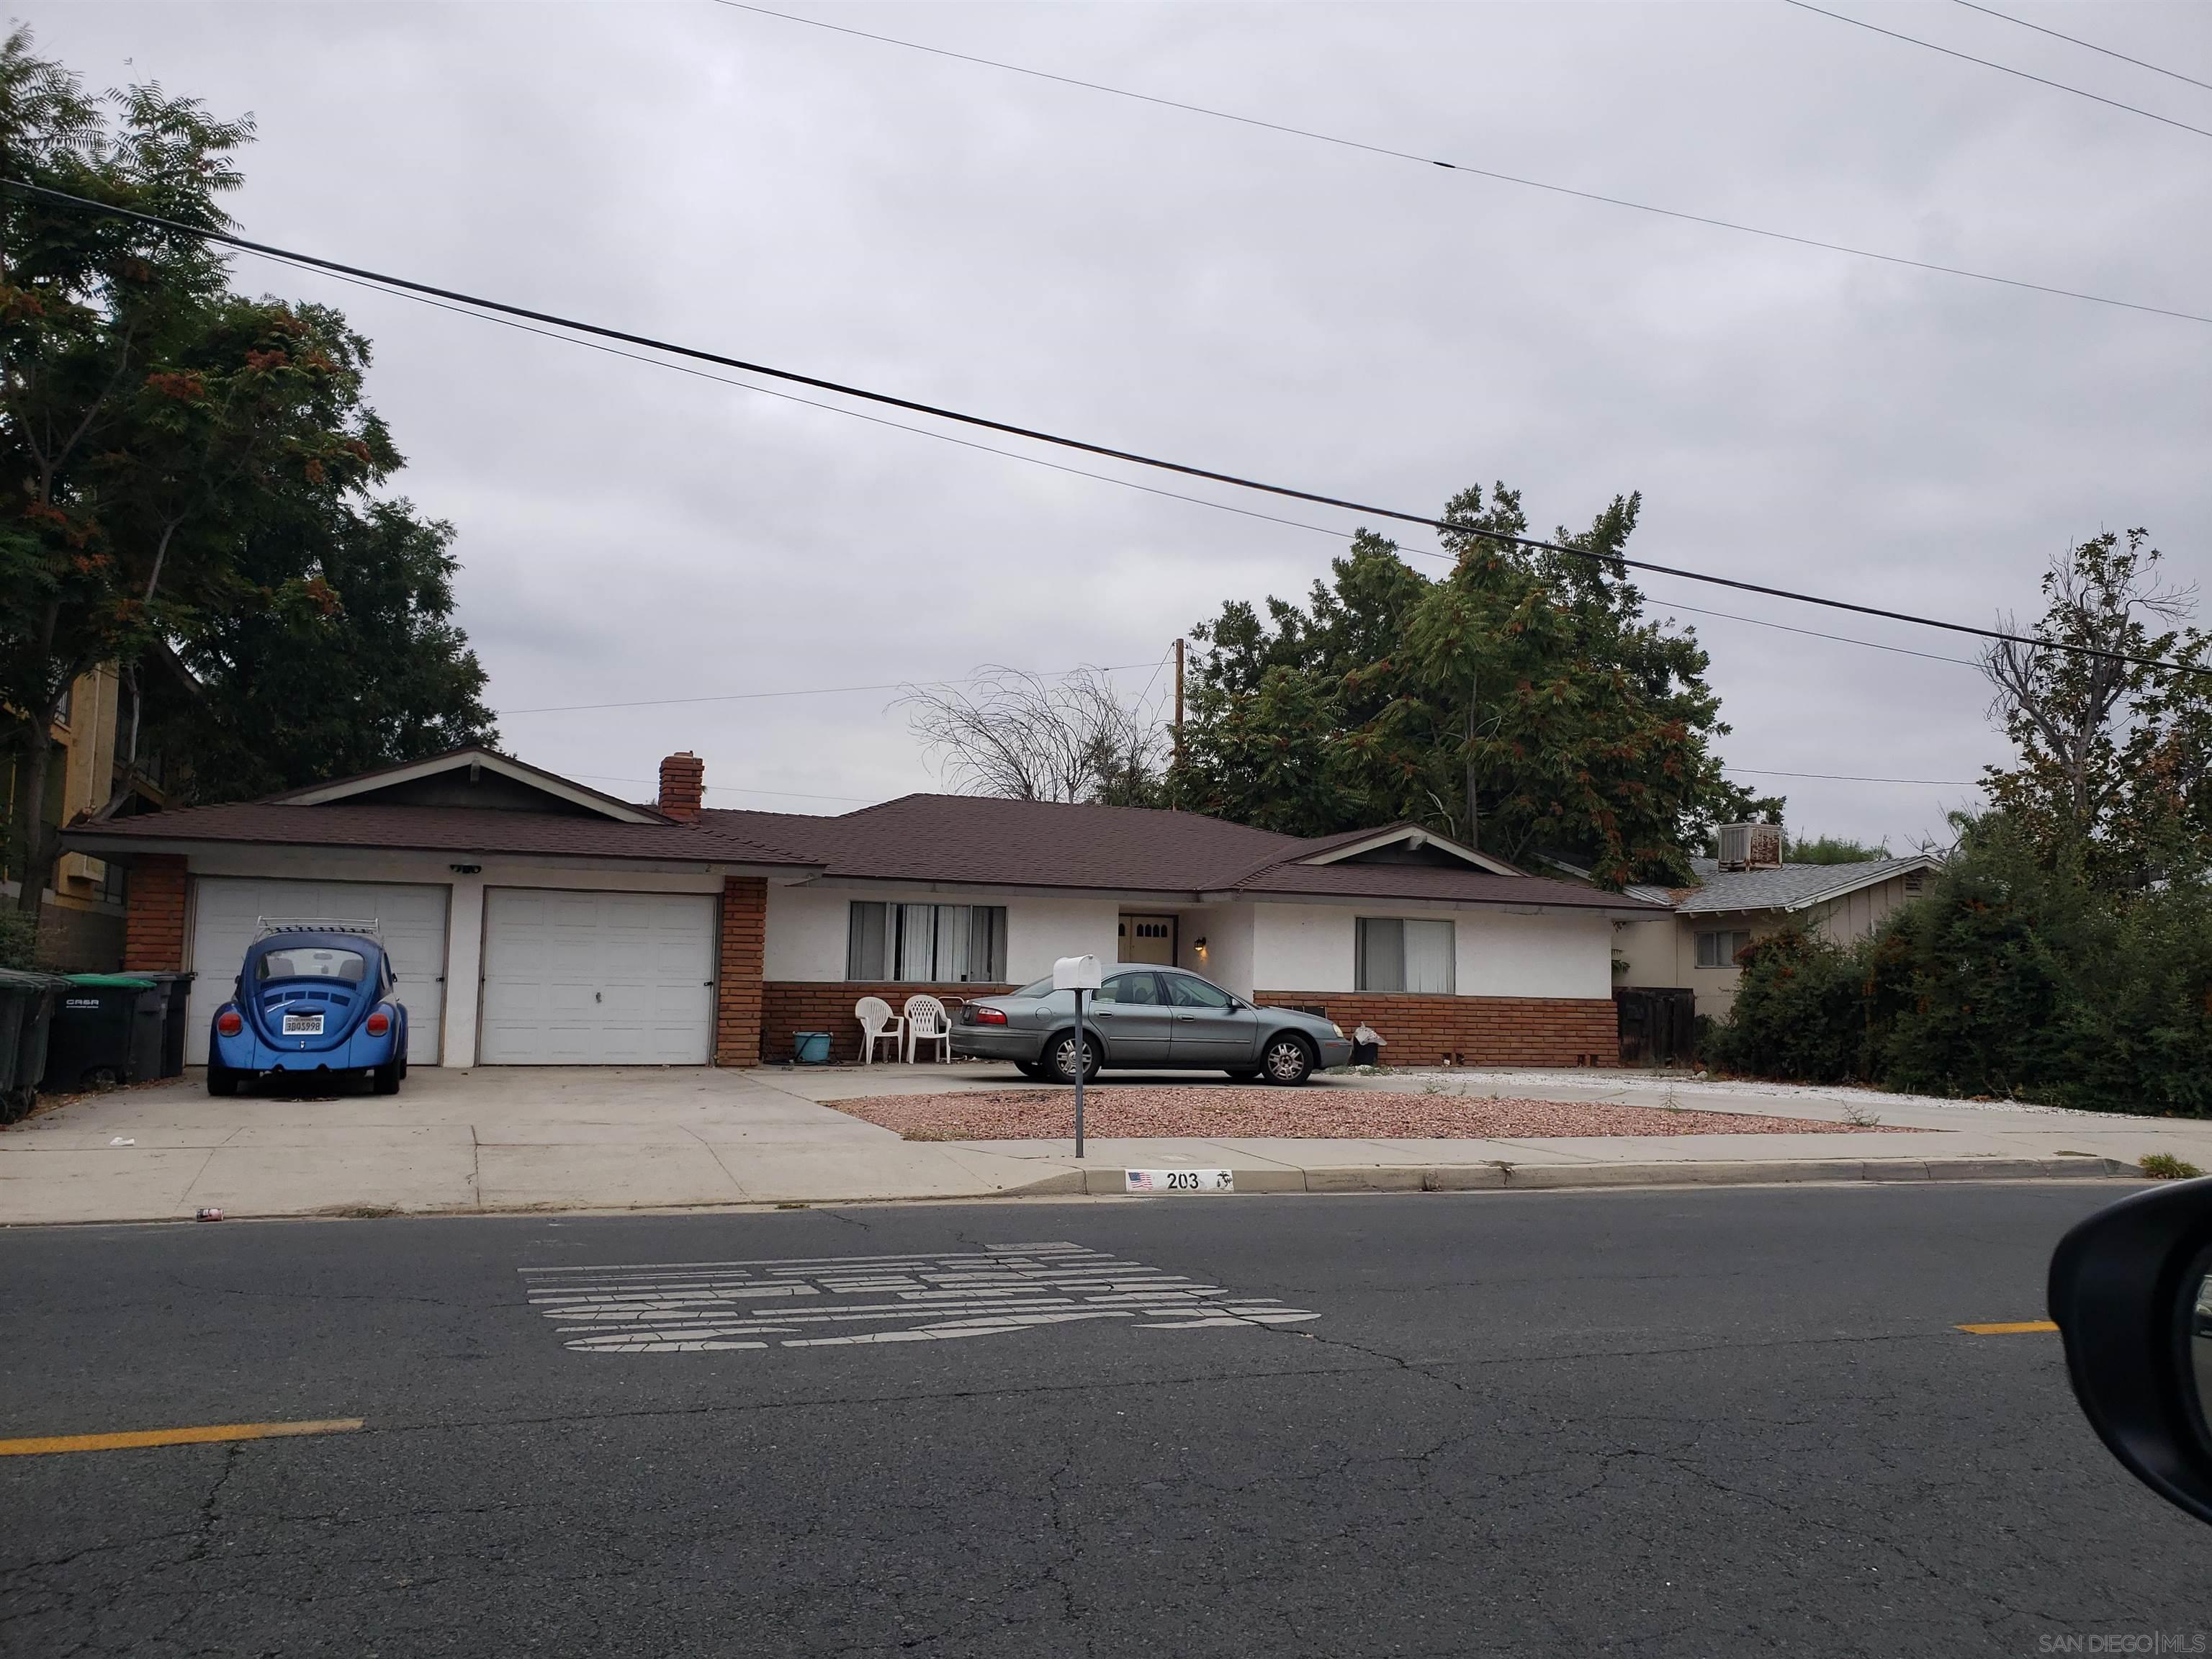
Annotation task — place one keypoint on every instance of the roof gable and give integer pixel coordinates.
(473, 777)
(1404, 843)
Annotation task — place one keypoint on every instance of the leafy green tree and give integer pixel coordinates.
(145, 412)
(190, 476)
(1522, 702)
(2114, 772)
(2012, 976)
(1833, 849)
(334, 651)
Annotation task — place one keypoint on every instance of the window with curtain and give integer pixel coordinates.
(927, 943)
(1398, 953)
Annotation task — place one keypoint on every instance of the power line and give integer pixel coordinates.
(1006, 454)
(1475, 171)
(791, 398)
(1615, 561)
(801, 691)
(2090, 45)
(1815, 633)
(2003, 69)
(1847, 777)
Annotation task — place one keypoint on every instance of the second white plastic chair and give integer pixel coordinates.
(926, 1022)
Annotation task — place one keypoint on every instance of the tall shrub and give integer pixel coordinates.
(1801, 1011)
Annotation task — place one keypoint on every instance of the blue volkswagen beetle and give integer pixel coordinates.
(312, 999)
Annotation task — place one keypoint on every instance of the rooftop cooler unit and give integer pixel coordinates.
(1751, 847)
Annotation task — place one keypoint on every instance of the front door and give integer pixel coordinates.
(1132, 1019)
(1149, 939)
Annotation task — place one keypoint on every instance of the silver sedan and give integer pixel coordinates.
(1144, 1018)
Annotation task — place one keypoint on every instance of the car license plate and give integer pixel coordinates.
(303, 1025)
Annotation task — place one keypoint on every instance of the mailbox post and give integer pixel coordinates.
(1079, 974)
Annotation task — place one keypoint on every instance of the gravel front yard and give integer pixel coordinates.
(1112, 1113)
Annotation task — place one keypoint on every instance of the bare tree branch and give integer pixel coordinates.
(1030, 737)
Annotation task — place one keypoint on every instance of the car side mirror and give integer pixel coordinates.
(2131, 1294)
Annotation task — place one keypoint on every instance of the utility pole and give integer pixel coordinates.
(1178, 725)
(1473, 815)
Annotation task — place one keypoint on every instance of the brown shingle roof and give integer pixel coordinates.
(988, 841)
(435, 829)
(963, 839)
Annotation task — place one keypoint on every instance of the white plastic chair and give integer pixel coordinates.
(925, 1023)
(876, 1022)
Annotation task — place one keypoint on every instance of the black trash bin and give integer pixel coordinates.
(157, 1039)
(95, 1040)
(27, 1009)
(176, 991)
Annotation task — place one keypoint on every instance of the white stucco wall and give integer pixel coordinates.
(806, 933)
(1227, 931)
(1041, 931)
(1554, 954)
(1303, 947)
(1311, 947)
(807, 929)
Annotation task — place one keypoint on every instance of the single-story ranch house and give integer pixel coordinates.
(535, 921)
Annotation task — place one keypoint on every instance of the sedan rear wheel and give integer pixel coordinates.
(1288, 1063)
(1060, 1060)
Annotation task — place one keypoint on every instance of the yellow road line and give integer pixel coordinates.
(38, 1446)
(2016, 1327)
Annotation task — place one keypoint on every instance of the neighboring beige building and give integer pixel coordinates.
(81, 926)
(1696, 948)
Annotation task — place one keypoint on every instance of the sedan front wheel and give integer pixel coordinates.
(1288, 1063)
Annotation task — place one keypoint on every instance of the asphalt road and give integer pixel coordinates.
(1688, 1423)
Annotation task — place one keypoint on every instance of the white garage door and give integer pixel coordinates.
(410, 919)
(597, 979)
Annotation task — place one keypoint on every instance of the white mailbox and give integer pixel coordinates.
(1076, 974)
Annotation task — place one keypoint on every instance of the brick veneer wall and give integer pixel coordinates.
(827, 1005)
(740, 964)
(1428, 1030)
(153, 914)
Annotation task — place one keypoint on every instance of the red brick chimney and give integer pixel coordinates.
(683, 782)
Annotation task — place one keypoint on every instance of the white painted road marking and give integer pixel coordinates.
(710, 1306)
(1181, 1181)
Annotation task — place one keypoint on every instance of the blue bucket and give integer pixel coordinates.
(812, 1047)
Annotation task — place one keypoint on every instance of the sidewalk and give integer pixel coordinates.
(615, 1138)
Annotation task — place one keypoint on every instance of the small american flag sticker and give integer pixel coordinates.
(1140, 1180)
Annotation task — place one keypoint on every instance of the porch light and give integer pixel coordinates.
(1200, 946)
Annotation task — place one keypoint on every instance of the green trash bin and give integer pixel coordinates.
(96, 1040)
(27, 1009)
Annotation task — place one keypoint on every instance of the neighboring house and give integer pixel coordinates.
(81, 926)
(1697, 948)
(533, 921)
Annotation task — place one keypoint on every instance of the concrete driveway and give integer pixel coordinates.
(621, 1138)
(494, 1138)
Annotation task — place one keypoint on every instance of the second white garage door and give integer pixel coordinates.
(597, 979)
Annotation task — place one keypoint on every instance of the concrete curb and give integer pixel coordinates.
(1108, 1181)
(1557, 1177)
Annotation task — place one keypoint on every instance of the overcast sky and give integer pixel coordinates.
(1256, 302)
